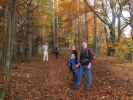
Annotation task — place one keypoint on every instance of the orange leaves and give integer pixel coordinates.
(71, 7)
(70, 10)
(3, 2)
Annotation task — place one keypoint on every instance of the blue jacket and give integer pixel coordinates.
(72, 64)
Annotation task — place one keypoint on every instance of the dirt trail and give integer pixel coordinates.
(53, 81)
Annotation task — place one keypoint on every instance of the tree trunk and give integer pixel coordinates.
(85, 24)
(57, 24)
(29, 30)
(30, 45)
(78, 33)
(95, 32)
(131, 15)
(112, 30)
(75, 32)
(11, 32)
(131, 18)
(54, 24)
(107, 40)
(119, 28)
(112, 35)
(78, 25)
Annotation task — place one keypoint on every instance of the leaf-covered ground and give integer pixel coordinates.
(112, 80)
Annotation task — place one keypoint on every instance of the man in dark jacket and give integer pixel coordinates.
(86, 66)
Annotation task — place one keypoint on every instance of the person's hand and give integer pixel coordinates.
(77, 65)
(94, 57)
(93, 61)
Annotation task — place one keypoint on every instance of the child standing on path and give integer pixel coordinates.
(45, 52)
(74, 68)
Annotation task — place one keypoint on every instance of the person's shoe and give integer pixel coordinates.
(46, 62)
(87, 88)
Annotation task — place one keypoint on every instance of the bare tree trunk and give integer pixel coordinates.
(131, 14)
(86, 27)
(86, 23)
(95, 32)
(78, 25)
(57, 24)
(54, 24)
(119, 28)
(11, 32)
(107, 39)
(3, 49)
(29, 30)
(112, 30)
(76, 33)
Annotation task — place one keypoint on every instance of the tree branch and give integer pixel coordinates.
(103, 20)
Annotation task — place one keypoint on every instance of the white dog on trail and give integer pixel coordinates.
(45, 52)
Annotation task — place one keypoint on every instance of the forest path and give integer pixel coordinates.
(53, 81)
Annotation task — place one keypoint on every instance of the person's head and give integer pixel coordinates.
(73, 56)
(84, 45)
(46, 43)
(73, 47)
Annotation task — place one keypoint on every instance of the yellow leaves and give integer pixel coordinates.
(41, 22)
(124, 47)
(70, 10)
(72, 7)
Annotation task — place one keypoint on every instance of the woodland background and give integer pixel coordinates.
(27, 24)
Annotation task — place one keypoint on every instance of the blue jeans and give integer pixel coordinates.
(77, 77)
(87, 73)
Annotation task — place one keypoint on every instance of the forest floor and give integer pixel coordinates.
(112, 80)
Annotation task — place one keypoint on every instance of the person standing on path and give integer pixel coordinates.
(45, 52)
(74, 51)
(56, 52)
(74, 67)
(86, 58)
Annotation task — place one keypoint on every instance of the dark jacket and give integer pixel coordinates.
(85, 56)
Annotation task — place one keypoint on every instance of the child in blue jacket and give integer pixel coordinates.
(74, 68)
